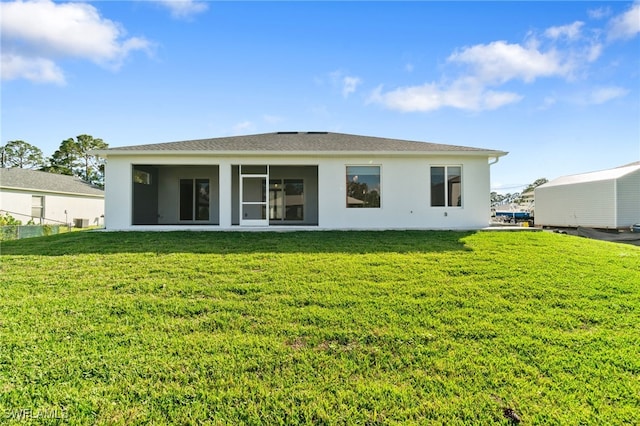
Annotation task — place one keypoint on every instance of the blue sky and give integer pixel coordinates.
(557, 84)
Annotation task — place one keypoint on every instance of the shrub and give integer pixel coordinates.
(7, 219)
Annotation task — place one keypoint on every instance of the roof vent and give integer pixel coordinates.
(287, 133)
(317, 133)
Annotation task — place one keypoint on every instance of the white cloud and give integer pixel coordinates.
(487, 67)
(594, 51)
(601, 95)
(38, 70)
(465, 94)
(184, 9)
(600, 13)
(571, 31)
(494, 100)
(37, 33)
(626, 25)
(347, 83)
(500, 61)
(476, 75)
(597, 95)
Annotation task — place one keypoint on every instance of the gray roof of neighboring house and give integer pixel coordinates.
(601, 175)
(16, 178)
(301, 142)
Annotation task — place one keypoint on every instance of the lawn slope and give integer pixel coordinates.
(319, 328)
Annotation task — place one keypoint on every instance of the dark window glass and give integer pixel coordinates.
(186, 199)
(202, 188)
(194, 199)
(454, 187)
(437, 187)
(294, 199)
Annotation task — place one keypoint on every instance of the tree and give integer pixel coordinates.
(22, 155)
(528, 191)
(74, 158)
(496, 198)
(535, 184)
(516, 197)
(91, 167)
(502, 199)
(62, 161)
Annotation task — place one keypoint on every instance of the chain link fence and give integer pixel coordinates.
(17, 232)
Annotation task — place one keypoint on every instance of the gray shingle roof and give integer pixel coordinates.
(290, 142)
(17, 178)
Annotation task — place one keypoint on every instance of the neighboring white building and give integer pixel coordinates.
(49, 198)
(608, 199)
(308, 180)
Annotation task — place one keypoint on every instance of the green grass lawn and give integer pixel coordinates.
(319, 328)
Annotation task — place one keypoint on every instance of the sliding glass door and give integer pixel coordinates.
(286, 200)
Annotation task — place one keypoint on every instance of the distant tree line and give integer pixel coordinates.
(72, 158)
(516, 197)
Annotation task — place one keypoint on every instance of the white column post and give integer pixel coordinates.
(225, 194)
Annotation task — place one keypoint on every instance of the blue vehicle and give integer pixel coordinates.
(513, 213)
(513, 216)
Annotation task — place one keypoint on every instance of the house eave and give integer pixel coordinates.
(45, 191)
(266, 153)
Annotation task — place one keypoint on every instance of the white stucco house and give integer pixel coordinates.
(608, 199)
(302, 180)
(49, 198)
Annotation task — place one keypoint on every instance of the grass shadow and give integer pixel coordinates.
(239, 242)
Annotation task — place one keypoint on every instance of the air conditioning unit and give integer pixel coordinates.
(81, 223)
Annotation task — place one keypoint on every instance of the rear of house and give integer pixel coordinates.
(607, 199)
(304, 180)
(49, 198)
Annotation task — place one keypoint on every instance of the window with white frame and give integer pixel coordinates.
(363, 187)
(446, 186)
